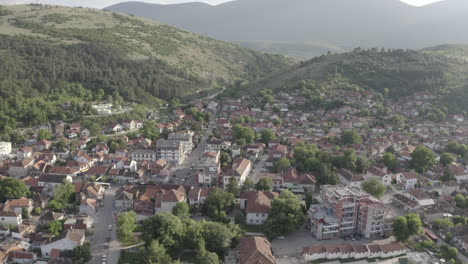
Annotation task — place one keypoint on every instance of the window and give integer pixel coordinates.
(256, 215)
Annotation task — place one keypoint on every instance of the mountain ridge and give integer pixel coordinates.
(343, 24)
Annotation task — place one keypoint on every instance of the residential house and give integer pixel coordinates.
(49, 216)
(348, 178)
(8, 216)
(24, 153)
(197, 195)
(123, 200)
(257, 206)
(68, 240)
(255, 250)
(408, 180)
(88, 206)
(22, 203)
(21, 168)
(167, 201)
(240, 169)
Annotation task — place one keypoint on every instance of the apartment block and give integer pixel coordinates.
(345, 211)
(170, 150)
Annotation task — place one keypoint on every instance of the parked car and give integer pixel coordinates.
(109, 227)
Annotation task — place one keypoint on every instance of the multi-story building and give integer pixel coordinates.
(240, 169)
(5, 149)
(170, 150)
(208, 168)
(185, 139)
(345, 211)
(144, 155)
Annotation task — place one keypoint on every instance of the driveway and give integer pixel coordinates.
(102, 220)
(259, 168)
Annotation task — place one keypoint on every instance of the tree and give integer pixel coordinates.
(264, 184)
(248, 185)
(460, 200)
(217, 237)
(391, 161)
(126, 224)
(351, 137)
(423, 159)
(82, 254)
(181, 210)
(400, 229)
(414, 224)
(12, 188)
(282, 164)
(446, 159)
(206, 257)
(56, 227)
(267, 135)
(167, 228)
(406, 226)
(374, 187)
(156, 254)
(243, 135)
(217, 202)
(442, 223)
(361, 165)
(285, 216)
(24, 213)
(64, 194)
(448, 252)
(448, 175)
(150, 131)
(233, 187)
(44, 134)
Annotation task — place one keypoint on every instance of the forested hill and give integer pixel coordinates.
(312, 27)
(393, 73)
(53, 54)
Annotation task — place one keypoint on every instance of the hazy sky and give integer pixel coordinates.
(105, 3)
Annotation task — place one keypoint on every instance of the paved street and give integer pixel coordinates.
(102, 220)
(184, 174)
(259, 168)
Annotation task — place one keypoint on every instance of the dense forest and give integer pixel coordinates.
(55, 61)
(392, 73)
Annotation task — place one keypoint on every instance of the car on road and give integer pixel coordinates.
(107, 239)
(280, 238)
(109, 227)
(104, 258)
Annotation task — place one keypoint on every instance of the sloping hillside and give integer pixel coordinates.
(50, 55)
(393, 73)
(334, 25)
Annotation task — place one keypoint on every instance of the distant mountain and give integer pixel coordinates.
(317, 25)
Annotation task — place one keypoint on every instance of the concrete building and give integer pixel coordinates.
(170, 150)
(345, 211)
(140, 155)
(208, 168)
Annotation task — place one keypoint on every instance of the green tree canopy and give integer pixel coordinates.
(167, 228)
(374, 187)
(446, 159)
(351, 137)
(218, 237)
(423, 159)
(233, 187)
(156, 254)
(400, 228)
(82, 254)
(44, 134)
(267, 135)
(285, 216)
(282, 164)
(217, 202)
(264, 184)
(13, 188)
(55, 227)
(181, 210)
(126, 224)
(248, 185)
(391, 161)
(243, 135)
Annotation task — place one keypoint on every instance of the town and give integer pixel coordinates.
(267, 178)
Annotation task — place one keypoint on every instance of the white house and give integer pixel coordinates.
(409, 180)
(348, 178)
(68, 240)
(167, 201)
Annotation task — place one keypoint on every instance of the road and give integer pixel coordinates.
(259, 168)
(184, 174)
(102, 220)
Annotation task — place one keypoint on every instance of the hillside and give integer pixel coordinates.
(334, 25)
(59, 53)
(393, 73)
